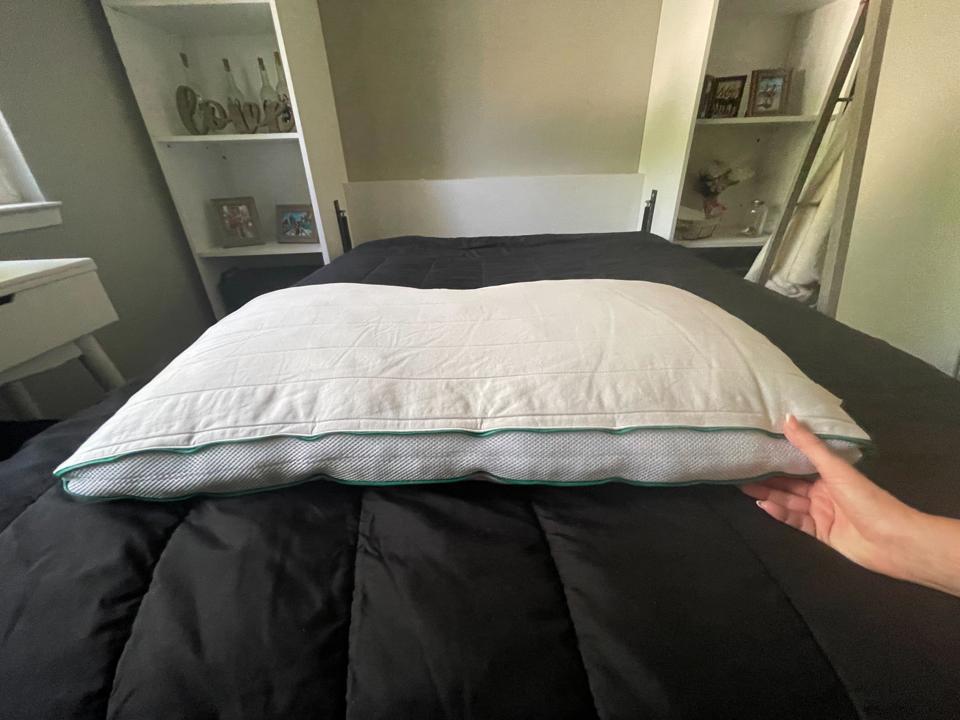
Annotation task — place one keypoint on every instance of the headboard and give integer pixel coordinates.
(473, 207)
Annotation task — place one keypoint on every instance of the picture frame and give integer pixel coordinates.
(296, 224)
(238, 221)
(706, 96)
(727, 95)
(769, 92)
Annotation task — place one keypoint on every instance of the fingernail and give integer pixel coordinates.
(791, 420)
(759, 503)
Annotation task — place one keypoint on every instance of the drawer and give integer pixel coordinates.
(41, 318)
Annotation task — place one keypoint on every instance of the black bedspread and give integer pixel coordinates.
(476, 600)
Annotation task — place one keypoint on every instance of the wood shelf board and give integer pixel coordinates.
(767, 120)
(725, 238)
(197, 18)
(267, 249)
(226, 138)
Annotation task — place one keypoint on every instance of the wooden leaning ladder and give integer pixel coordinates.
(867, 36)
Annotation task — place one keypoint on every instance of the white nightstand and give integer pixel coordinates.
(48, 310)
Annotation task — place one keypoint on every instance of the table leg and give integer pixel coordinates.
(99, 364)
(15, 394)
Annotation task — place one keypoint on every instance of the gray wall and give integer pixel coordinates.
(68, 102)
(474, 88)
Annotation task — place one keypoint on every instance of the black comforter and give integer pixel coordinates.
(475, 600)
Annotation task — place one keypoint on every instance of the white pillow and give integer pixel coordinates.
(557, 381)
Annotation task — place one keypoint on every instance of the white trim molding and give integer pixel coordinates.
(29, 216)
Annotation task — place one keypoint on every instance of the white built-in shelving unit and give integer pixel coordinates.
(695, 37)
(301, 167)
(735, 37)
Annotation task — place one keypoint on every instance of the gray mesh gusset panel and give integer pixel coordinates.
(650, 457)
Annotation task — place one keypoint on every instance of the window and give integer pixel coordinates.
(22, 205)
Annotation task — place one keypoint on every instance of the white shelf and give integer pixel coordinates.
(270, 248)
(766, 120)
(780, 7)
(726, 239)
(196, 18)
(226, 138)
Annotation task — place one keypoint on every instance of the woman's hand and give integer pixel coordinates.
(845, 510)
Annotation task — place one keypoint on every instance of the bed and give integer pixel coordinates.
(480, 600)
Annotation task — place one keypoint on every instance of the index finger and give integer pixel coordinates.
(815, 449)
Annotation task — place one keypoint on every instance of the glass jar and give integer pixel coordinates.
(756, 219)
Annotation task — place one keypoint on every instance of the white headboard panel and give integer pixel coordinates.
(494, 206)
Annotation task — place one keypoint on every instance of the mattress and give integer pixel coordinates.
(484, 600)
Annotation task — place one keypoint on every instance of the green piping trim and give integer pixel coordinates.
(865, 444)
(440, 481)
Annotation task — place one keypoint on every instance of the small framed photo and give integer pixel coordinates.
(238, 220)
(727, 94)
(296, 224)
(706, 96)
(769, 92)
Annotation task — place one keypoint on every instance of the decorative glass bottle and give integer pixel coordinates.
(234, 93)
(189, 101)
(267, 92)
(282, 90)
(756, 218)
(188, 79)
(283, 93)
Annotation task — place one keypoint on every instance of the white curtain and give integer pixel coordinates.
(799, 265)
(8, 191)
(10, 157)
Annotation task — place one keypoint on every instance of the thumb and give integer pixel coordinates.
(815, 449)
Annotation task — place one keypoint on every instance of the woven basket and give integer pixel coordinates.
(694, 225)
